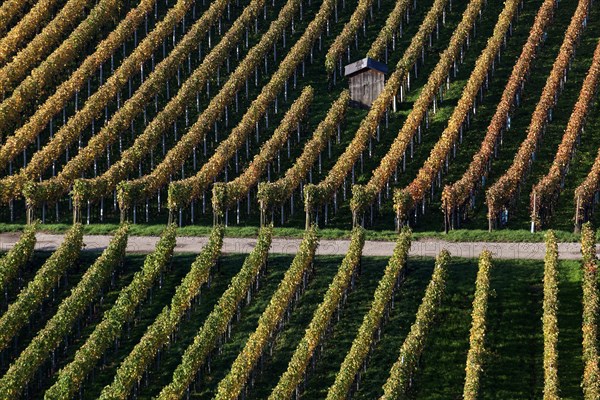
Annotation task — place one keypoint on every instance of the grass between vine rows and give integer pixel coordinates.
(514, 343)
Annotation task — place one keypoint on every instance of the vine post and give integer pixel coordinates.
(534, 212)
(263, 212)
(30, 214)
(578, 216)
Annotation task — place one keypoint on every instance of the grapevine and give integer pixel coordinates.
(388, 33)
(93, 189)
(32, 296)
(317, 195)
(53, 188)
(584, 193)
(18, 256)
(216, 323)
(28, 90)
(505, 189)
(366, 337)
(271, 193)
(362, 197)
(48, 339)
(545, 193)
(550, 319)
(403, 369)
(440, 153)
(305, 351)
(159, 333)
(71, 377)
(10, 10)
(182, 192)
(96, 104)
(475, 357)
(226, 194)
(232, 385)
(591, 306)
(456, 195)
(41, 45)
(341, 42)
(25, 28)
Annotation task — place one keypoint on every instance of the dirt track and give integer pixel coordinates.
(145, 244)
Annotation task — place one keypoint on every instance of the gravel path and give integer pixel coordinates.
(145, 244)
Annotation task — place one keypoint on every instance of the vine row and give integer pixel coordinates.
(440, 154)
(10, 10)
(393, 24)
(321, 320)
(93, 189)
(25, 28)
(107, 332)
(225, 195)
(461, 193)
(403, 369)
(475, 356)
(18, 256)
(219, 319)
(364, 196)
(13, 107)
(366, 338)
(34, 294)
(591, 306)
(585, 193)
(164, 326)
(51, 36)
(54, 188)
(550, 319)
(545, 193)
(95, 105)
(505, 189)
(23, 369)
(341, 42)
(271, 319)
(184, 191)
(272, 193)
(320, 194)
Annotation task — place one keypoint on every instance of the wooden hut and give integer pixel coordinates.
(367, 78)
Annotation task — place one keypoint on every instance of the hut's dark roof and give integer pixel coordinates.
(364, 64)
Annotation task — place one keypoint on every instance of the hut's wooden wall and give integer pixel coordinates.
(365, 87)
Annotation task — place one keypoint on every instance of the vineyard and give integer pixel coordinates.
(164, 325)
(240, 112)
(234, 114)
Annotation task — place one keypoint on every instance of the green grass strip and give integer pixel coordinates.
(457, 235)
